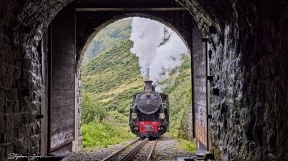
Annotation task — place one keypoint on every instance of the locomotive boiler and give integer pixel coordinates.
(149, 113)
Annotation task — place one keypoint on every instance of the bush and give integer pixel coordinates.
(119, 117)
(91, 110)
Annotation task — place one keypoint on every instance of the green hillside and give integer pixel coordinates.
(109, 81)
(108, 37)
(113, 77)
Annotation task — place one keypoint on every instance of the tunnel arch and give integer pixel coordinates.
(97, 29)
(33, 20)
(110, 22)
(29, 32)
(58, 53)
(45, 13)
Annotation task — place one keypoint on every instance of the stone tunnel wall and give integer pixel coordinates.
(265, 94)
(22, 24)
(249, 68)
(20, 88)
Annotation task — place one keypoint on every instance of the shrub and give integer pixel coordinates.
(91, 110)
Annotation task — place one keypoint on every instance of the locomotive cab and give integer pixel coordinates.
(149, 113)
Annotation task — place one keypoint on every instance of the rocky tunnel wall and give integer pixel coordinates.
(248, 64)
(248, 91)
(20, 89)
(22, 70)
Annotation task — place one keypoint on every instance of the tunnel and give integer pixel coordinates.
(239, 72)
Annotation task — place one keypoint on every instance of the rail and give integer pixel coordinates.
(134, 150)
(117, 152)
(151, 152)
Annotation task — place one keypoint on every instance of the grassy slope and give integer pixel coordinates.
(108, 37)
(110, 77)
(108, 83)
(113, 77)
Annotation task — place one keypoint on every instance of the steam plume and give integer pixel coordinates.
(158, 47)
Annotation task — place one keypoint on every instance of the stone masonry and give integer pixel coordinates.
(22, 25)
(248, 65)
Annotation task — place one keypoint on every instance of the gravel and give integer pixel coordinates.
(166, 149)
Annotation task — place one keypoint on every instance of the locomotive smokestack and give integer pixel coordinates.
(148, 85)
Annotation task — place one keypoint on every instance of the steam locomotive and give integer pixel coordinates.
(149, 113)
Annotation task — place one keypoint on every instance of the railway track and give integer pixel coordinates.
(132, 153)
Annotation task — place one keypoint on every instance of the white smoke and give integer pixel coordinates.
(158, 47)
(146, 35)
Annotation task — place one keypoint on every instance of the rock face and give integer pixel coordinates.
(248, 63)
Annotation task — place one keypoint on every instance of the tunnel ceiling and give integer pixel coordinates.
(213, 10)
(125, 3)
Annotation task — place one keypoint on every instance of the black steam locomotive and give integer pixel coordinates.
(149, 113)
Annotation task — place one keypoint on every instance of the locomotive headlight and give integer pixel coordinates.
(162, 116)
(134, 115)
